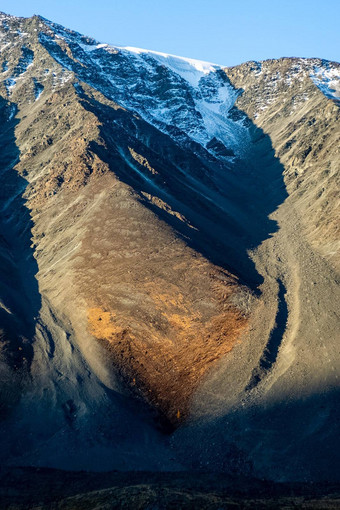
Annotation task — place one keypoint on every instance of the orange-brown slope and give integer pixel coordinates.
(163, 311)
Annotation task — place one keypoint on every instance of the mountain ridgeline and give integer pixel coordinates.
(169, 238)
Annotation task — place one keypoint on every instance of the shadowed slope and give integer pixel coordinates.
(19, 298)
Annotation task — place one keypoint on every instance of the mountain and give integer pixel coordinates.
(169, 259)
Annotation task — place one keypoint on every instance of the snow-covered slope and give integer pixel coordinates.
(327, 79)
(191, 70)
(186, 98)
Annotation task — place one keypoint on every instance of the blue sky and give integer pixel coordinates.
(220, 31)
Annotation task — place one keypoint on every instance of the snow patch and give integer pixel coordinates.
(190, 69)
(10, 84)
(92, 47)
(65, 77)
(327, 79)
(11, 111)
(22, 34)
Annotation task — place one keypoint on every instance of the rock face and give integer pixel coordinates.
(169, 255)
(289, 100)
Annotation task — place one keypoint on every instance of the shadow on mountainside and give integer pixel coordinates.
(19, 294)
(271, 350)
(289, 440)
(228, 205)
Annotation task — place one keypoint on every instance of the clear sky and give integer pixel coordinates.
(221, 31)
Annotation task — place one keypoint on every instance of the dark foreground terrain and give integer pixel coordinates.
(34, 488)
